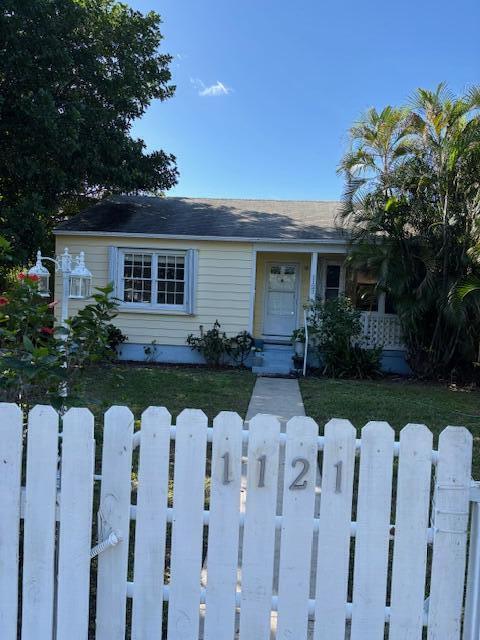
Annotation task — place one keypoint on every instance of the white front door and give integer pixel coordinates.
(281, 299)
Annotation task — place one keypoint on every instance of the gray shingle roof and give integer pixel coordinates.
(284, 220)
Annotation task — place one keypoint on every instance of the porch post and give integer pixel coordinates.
(253, 281)
(313, 275)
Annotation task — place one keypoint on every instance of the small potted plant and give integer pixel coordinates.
(298, 341)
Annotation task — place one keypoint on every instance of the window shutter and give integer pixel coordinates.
(191, 271)
(113, 269)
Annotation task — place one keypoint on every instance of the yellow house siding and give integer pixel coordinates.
(223, 286)
(303, 260)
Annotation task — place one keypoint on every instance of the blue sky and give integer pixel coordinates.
(267, 89)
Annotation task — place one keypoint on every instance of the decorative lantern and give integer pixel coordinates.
(43, 276)
(80, 280)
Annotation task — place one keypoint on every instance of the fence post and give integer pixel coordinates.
(114, 516)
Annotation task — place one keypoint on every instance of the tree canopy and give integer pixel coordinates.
(74, 74)
(413, 194)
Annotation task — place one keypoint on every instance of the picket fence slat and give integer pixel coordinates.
(334, 530)
(187, 525)
(224, 526)
(297, 528)
(411, 523)
(78, 459)
(114, 517)
(373, 531)
(259, 529)
(11, 422)
(39, 528)
(451, 513)
(150, 529)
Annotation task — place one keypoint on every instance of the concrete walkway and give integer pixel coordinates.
(279, 396)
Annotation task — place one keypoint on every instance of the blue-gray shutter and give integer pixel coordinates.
(113, 269)
(191, 274)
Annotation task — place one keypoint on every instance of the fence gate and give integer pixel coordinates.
(284, 555)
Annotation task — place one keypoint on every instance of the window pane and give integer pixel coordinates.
(331, 294)
(389, 304)
(171, 279)
(137, 273)
(333, 276)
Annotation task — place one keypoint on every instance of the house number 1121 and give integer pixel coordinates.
(298, 482)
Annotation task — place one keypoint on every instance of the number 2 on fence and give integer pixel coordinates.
(297, 483)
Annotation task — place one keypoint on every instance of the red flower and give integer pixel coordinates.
(21, 276)
(33, 278)
(48, 331)
(3, 300)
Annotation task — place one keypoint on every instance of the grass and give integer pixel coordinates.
(396, 401)
(176, 388)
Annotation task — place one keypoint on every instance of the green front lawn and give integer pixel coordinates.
(176, 388)
(397, 402)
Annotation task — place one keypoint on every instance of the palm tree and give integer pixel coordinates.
(378, 142)
(413, 195)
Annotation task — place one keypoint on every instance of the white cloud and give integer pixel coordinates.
(217, 89)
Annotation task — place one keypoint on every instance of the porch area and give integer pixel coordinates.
(284, 284)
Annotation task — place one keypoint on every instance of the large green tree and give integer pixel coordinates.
(416, 220)
(74, 75)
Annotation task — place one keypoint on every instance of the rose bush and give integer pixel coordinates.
(40, 360)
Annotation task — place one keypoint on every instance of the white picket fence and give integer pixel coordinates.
(57, 504)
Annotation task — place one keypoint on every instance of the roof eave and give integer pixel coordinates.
(166, 236)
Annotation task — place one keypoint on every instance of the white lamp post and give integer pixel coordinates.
(77, 282)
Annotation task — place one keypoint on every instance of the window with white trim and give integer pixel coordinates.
(151, 279)
(332, 281)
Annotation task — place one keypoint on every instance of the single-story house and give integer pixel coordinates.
(178, 263)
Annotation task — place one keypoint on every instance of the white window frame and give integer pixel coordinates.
(153, 306)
